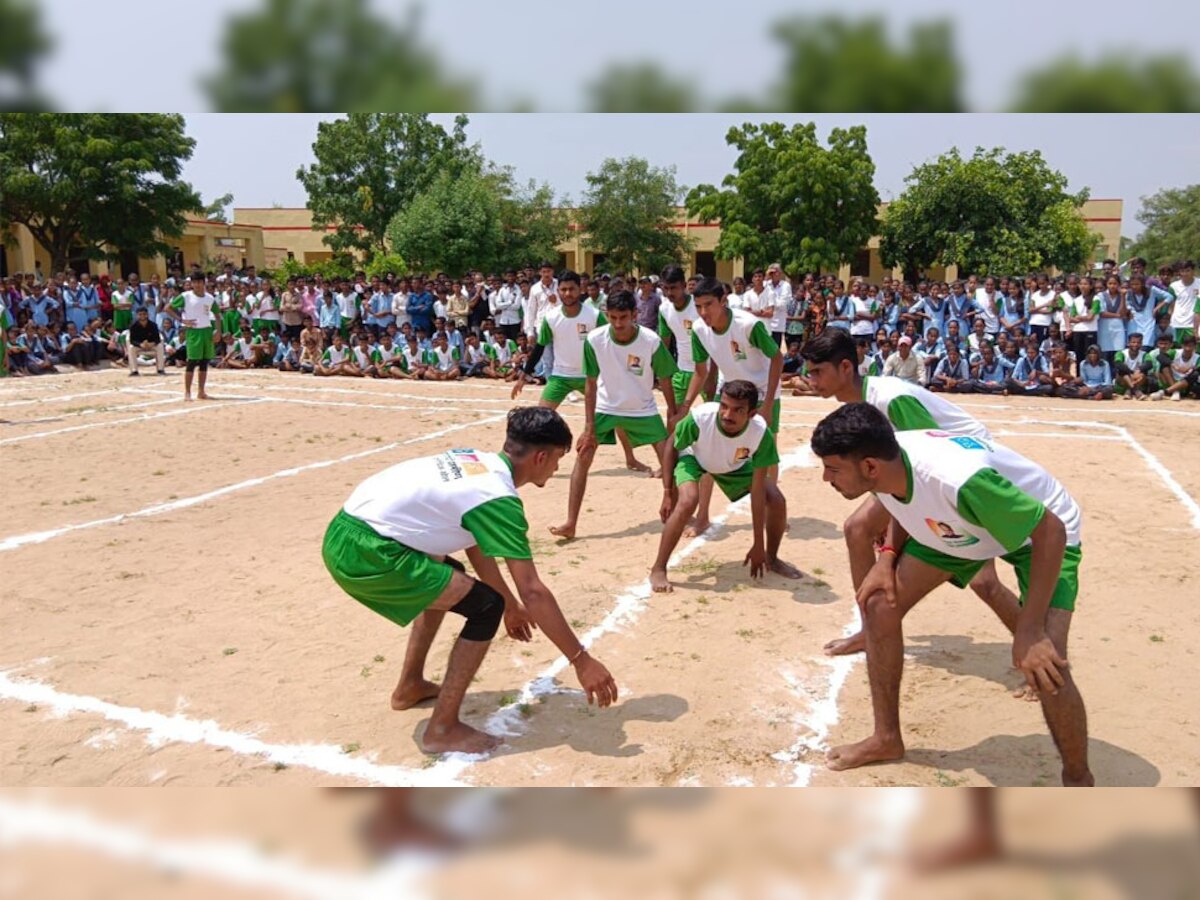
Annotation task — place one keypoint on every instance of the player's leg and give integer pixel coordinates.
(860, 532)
(631, 462)
(685, 505)
(1064, 711)
(979, 843)
(885, 663)
(190, 366)
(202, 365)
(776, 526)
(660, 447)
(701, 522)
(579, 477)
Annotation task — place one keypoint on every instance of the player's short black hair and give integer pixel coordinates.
(856, 430)
(568, 275)
(709, 287)
(545, 264)
(831, 346)
(622, 301)
(672, 274)
(740, 389)
(535, 427)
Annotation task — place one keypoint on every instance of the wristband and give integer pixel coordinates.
(571, 661)
(886, 548)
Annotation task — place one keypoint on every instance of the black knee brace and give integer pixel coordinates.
(483, 608)
(455, 564)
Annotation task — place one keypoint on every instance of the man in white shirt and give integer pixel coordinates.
(904, 363)
(542, 294)
(1183, 310)
(778, 291)
(504, 303)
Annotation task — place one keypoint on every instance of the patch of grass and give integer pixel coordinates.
(365, 672)
(88, 499)
(229, 651)
(703, 600)
(738, 588)
(158, 472)
(352, 747)
(945, 780)
(578, 624)
(696, 657)
(525, 710)
(279, 766)
(32, 707)
(378, 658)
(818, 571)
(507, 700)
(173, 497)
(704, 565)
(745, 633)
(430, 761)
(1157, 639)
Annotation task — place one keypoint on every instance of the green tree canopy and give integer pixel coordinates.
(791, 200)
(322, 56)
(371, 166)
(533, 224)
(1114, 83)
(628, 213)
(102, 183)
(994, 213)
(1172, 220)
(640, 87)
(23, 43)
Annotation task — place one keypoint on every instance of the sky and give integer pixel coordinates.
(545, 51)
(255, 156)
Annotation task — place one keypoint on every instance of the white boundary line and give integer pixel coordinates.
(142, 418)
(62, 399)
(38, 537)
(237, 862)
(159, 729)
(93, 410)
(363, 391)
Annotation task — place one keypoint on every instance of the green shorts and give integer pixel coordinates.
(200, 344)
(963, 570)
(1181, 334)
(735, 485)
(122, 319)
(640, 430)
(382, 574)
(557, 387)
(680, 382)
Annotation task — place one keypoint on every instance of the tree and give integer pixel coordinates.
(838, 65)
(791, 200)
(451, 226)
(321, 56)
(103, 183)
(215, 211)
(1172, 220)
(371, 166)
(628, 214)
(640, 87)
(995, 213)
(532, 224)
(1114, 83)
(23, 43)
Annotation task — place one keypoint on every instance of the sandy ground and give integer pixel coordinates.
(667, 843)
(202, 643)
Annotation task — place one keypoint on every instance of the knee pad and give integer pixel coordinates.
(483, 608)
(455, 564)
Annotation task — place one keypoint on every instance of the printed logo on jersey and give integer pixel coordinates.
(741, 453)
(468, 462)
(581, 329)
(968, 443)
(947, 535)
(687, 325)
(634, 364)
(738, 353)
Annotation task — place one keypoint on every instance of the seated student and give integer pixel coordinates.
(441, 361)
(474, 361)
(1031, 375)
(311, 332)
(500, 351)
(386, 361)
(729, 442)
(336, 360)
(52, 340)
(1158, 360)
(144, 337)
(952, 373)
(18, 353)
(867, 364)
(990, 375)
(1095, 381)
(793, 362)
(175, 350)
(929, 350)
(1052, 339)
(1128, 365)
(413, 358)
(78, 349)
(904, 363)
(1062, 370)
(287, 357)
(978, 336)
(799, 383)
(264, 344)
(1179, 376)
(310, 355)
(423, 341)
(42, 351)
(360, 353)
(242, 353)
(521, 356)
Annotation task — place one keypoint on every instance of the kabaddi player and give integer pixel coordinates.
(198, 312)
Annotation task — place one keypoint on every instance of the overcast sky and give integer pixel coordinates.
(255, 157)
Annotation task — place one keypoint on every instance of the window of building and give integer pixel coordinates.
(706, 264)
(860, 265)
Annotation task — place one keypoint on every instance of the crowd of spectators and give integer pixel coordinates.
(1118, 332)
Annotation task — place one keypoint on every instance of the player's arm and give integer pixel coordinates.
(757, 557)
(593, 676)
(591, 369)
(517, 621)
(1033, 651)
(664, 367)
(684, 434)
(881, 578)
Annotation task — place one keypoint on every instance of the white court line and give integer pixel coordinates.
(336, 403)
(234, 862)
(38, 537)
(159, 729)
(142, 418)
(93, 410)
(629, 605)
(63, 398)
(363, 392)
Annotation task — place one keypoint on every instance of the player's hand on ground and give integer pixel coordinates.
(587, 441)
(518, 385)
(880, 579)
(597, 683)
(757, 560)
(668, 505)
(518, 623)
(1037, 658)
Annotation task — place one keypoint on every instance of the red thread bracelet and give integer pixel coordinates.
(888, 549)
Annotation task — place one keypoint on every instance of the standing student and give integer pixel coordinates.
(197, 309)
(389, 548)
(1110, 335)
(622, 362)
(956, 502)
(1141, 302)
(1185, 309)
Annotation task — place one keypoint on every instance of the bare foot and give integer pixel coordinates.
(634, 466)
(872, 750)
(203, 396)
(658, 581)
(409, 695)
(566, 532)
(787, 570)
(969, 850)
(697, 528)
(187, 398)
(458, 738)
(656, 473)
(1026, 693)
(856, 643)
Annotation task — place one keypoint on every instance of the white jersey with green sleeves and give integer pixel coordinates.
(501, 351)
(744, 350)
(442, 360)
(382, 355)
(626, 373)
(679, 323)
(244, 348)
(412, 359)
(198, 312)
(567, 334)
(699, 434)
(911, 407)
(361, 357)
(447, 503)
(334, 356)
(972, 498)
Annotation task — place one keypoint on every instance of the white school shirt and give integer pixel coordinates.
(535, 306)
(626, 373)
(779, 297)
(1041, 298)
(1183, 311)
(567, 335)
(989, 309)
(680, 322)
(862, 327)
(975, 499)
